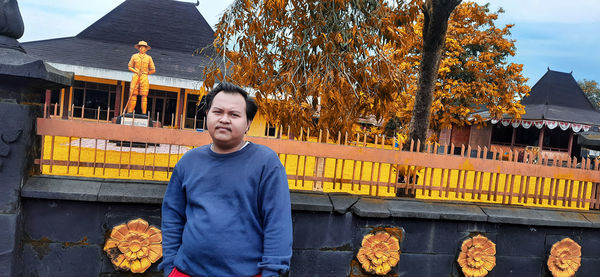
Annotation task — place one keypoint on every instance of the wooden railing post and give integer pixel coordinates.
(319, 174)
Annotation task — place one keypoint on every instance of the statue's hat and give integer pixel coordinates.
(141, 43)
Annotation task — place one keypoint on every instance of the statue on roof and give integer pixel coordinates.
(11, 25)
(142, 65)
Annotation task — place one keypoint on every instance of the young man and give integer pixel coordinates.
(226, 211)
(142, 65)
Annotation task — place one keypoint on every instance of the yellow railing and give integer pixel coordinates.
(330, 163)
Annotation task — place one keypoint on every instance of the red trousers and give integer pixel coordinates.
(177, 273)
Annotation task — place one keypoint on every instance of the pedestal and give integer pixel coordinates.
(130, 119)
(138, 120)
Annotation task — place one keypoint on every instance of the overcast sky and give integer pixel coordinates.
(562, 35)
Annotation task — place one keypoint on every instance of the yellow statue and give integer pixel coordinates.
(141, 65)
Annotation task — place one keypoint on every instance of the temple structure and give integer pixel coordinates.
(22, 79)
(555, 110)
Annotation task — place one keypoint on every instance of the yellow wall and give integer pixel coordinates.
(95, 80)
(346, 173)
(257, 129)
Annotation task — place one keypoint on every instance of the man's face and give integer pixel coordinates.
(142, 49)
(227, 122)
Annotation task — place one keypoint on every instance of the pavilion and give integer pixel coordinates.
(555, 110)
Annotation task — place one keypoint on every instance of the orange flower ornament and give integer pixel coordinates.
(134, 246)
(565, 258)
(379, 253)
(477, 256)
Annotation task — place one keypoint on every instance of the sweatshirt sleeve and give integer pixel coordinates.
(173, 220)
(277, 221)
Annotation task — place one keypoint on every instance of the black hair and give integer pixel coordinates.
(251, 107)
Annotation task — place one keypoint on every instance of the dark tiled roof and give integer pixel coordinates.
(557, 96)
(19, 71)
(165, 24)
(115, 56)
(173, 29)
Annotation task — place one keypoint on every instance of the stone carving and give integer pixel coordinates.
(7, 137)
(134, 246)
(379, 253)
(11, 22)
(565, 258)
(477, 256)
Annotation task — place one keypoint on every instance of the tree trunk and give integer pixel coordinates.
(437, 13)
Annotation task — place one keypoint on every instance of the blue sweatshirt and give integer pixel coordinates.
(227, 214)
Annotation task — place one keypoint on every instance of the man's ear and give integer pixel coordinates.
(248, 128)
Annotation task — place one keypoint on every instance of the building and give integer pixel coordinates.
(98, 56)
(555, 110)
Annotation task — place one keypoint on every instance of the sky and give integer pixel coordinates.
(557, 34)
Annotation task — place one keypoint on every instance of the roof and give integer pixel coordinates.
(22, 72)
(19, 70)
(164, 24)
(590, 139)
(173, 29)
(557, 96)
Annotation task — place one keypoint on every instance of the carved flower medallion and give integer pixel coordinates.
(134, 246)
(379, 253)
(477, 256)
(565, 258)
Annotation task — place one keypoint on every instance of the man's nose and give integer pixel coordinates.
(224, 118)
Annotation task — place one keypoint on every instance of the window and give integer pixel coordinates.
(502, 134)
(527, 137)
(195, 110)
(77, 101)
(161, 106)
(556, 139)
(95, 99)
(54, 100)
(89, 96)
(55, 96)
(170, 111)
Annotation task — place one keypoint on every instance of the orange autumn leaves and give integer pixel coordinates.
(335, 60)
(474, 71)
(340, 60)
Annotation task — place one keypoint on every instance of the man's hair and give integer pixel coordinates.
(225, 87)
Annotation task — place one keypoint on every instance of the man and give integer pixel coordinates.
(226, 211)
(141, 65)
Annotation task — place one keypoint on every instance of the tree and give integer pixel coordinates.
(346, 59)
(591, 90)
(331, 59)
(474, 72)
(435, 24)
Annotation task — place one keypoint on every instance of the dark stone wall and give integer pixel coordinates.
(16, 153)
(326, 244)
(65, 238)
